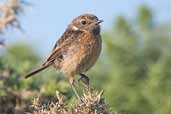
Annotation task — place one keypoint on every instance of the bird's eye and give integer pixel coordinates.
(83, 22)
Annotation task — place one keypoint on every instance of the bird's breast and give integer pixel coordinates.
(90, 51)
(83, 54)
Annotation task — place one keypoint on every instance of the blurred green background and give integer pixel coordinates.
(134, 68)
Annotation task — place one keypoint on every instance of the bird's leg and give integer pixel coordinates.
(71, 81)
(85, 80)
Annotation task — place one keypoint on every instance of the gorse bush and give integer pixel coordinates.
(92, 103)
(14, 87)
(137, 57)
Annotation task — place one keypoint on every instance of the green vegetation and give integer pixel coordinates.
(133, 70)
(135, 66)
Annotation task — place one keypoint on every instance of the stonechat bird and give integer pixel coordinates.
(77, 50)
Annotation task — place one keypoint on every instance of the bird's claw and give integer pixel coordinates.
(85, 80)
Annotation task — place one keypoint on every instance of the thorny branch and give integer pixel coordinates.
(92, 103)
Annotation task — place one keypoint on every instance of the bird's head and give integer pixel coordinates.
(86, 23)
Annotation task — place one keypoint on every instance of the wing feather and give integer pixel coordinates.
(62, 45)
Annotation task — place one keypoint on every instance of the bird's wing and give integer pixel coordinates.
(68, 38)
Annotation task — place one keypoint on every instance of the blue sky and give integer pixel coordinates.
(46, 20)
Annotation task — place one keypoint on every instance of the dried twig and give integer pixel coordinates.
(9, 16)
(92, 103)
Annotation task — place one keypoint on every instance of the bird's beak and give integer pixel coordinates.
(99, 21)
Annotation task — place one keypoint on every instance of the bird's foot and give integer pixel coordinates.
(85, 80)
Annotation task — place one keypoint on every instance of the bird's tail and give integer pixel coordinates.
(36, 71)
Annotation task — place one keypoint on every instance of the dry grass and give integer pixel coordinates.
(92, 103)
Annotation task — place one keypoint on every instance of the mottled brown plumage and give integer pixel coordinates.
(78, 48)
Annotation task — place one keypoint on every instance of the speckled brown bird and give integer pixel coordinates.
(77, 50)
